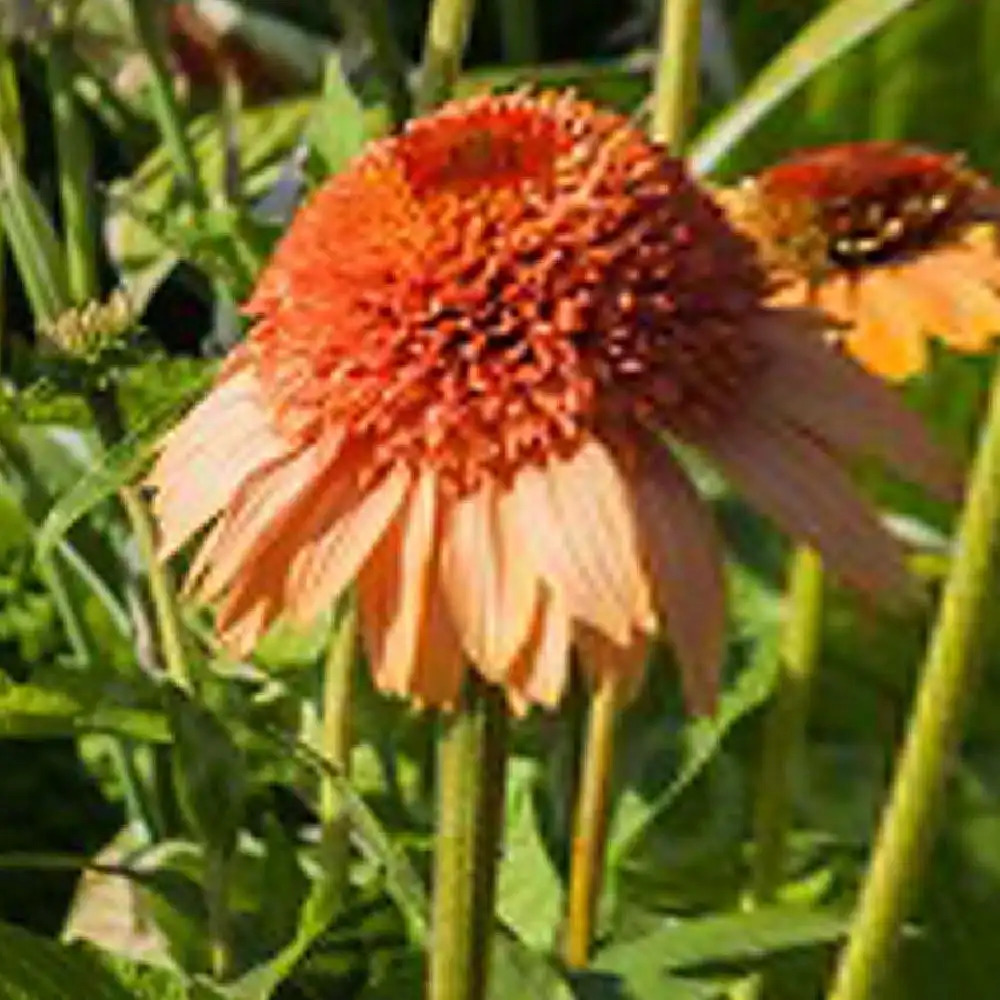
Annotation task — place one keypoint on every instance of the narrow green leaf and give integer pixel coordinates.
(35, 968)
(37, 711)
(831, 33)
(33, 242)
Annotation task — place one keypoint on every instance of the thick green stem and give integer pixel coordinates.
(932, 739)
(518, 31)
(590, 823)
(76, 165)
(336, 739)
(165, 106)
(675, 92)
(784, 735)
(448, 30)
(471, 768)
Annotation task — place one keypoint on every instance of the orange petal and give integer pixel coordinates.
(791, 478)
(835, 400)
(540, 673)
(262, 588)
(259, 511)
(886, 336)
(491, 587)
(576, 518)
(440, 662)
(206, 458)
(685, 559)
(957, 303)
(602, 659)
(393, 589)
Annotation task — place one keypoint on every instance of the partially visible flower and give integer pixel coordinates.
(895, 242)
(469, 349)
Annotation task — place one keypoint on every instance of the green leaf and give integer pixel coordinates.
(518, 971)
(728, 938)
(35, 968)
(209, 771)
(37, 711)
(33, 242)
(827, 36)
(529, 890)
(338, 128)
(148, 204)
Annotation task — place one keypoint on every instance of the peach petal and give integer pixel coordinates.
(834, 399)
(490, 586)
(576, 519)
(789, 476)
(540, 673)
(440, 662)
(203, 462)
(261, 590)
(393, 587)
(684, 557)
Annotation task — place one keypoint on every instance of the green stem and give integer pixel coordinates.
(336, 739)
(165, 106)
(107, 417)
(518, 31)
(590, 823)
(373, 19)
(932, 739)
(784, 735)
(471, 767)
(217, 905)
(675, 92)
(75, 155)
(448, 28)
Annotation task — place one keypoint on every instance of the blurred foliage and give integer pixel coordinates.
(78, 681)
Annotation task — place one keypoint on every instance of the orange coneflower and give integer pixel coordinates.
(891, 240)
(468, 350)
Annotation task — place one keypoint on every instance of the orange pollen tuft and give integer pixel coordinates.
(856, 204)
(491, 285)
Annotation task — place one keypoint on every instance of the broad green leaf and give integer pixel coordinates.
(35, 968)
(209, 771)
(36, 711)
(518, 971)
(827, 36)
(33, 242)
(703, 738)
(529, 891)
(338, 128)
(727, 938)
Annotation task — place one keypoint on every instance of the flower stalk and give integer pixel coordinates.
(447, 34)
(946, 687)
(675, 91)
(471, 768)
(335, 746)
(590, 823)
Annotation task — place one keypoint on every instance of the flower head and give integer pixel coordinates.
(467, 351)
(893, 241)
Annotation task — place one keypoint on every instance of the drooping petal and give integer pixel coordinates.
(601, 658)
(440, 661)
(833, 399)
(205, 460)
(393, 586)
(355, 519)
(489, 581)
(684, 557)
(791, 478)
(540, 673)
(576, 519)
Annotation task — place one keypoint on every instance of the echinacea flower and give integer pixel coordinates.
(468, 351)
(896, 243)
